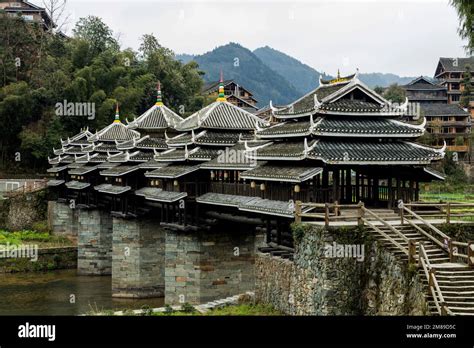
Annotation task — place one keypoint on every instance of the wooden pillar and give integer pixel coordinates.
(417, 191)
(349, 186)
(390, 193)
(412, 191)
(335, 185)
(325, 185)
(376, 190)
(398, 196)
(357, 182)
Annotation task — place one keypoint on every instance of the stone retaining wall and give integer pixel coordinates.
(48, 259)
(314, 284)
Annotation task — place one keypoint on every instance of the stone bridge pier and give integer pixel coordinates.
(138, 258)
(202, 266)
(94, 247)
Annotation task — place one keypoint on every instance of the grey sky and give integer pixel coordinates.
(401, 37)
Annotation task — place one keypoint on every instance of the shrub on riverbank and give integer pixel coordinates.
(43, 239)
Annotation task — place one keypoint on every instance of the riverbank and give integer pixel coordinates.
(62, 292)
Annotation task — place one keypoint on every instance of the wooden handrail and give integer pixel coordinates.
(433, 285)
(393, 241)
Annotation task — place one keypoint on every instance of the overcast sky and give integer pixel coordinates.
(401, 37)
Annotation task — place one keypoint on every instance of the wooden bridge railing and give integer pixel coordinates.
(37, 186)
(447, 211)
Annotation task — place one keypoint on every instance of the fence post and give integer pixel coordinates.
(336, 208)
(470, 254)
(448, 213)
(450, 249)
(298, 212)
(411, 251)
(360, 214)
(431, 274)
(401, 206)
(326, 214)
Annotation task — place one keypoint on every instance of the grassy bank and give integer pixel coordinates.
(42, 239)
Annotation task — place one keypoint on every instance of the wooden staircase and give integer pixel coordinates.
(450, 282)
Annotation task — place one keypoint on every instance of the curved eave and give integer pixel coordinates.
(283, 116)
(357, 113)
(368, 135)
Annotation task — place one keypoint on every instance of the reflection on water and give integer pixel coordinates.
(49, 294)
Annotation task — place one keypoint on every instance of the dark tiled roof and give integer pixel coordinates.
(79, 139)
(286, 129)
(204, 154)
(119, 170)
(173, 155)
(448, 63)
(53, 183)
(61, 159)
(159, 195)
(234, 158)
(77, 185)
(157, 117)
(82, 170)
(112, 189)
(281, 173)
(439, 109)
(211, 137)
(223, 199)
(221, 115)
(145, 142)
(142, 156)
(100, 158)
(115, 131)
(350, 126)
(348, 105)
(252, 204)
(104, 147)
(171, 171)
(421, 83)
(284, 150)
(180, 140)
(73, 150)
(347, 151)
(152, 164)
(306, 103)
(56, 169)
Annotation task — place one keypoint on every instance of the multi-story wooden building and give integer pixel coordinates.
(234, 93)
(28, 11)
(423, 91)
(450, 73)
(451, 124)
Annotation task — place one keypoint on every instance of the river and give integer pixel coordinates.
(50, 293)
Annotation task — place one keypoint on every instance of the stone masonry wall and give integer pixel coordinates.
(62, 220)
(138, 265)
(314, 284)
(207, 265)
(94, 242)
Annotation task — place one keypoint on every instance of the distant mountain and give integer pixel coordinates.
(303, 77)
(270, 74)
(243, 66)
(184, 58)
(384, 80)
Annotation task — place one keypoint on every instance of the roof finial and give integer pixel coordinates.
(221, 96)
(159, 101)
(338, 74)
(117, 115)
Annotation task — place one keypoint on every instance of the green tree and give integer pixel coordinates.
(465, 10)
(466, 95)
(96, 33)
(395, 93)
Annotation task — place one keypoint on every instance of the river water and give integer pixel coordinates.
(49, 293)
